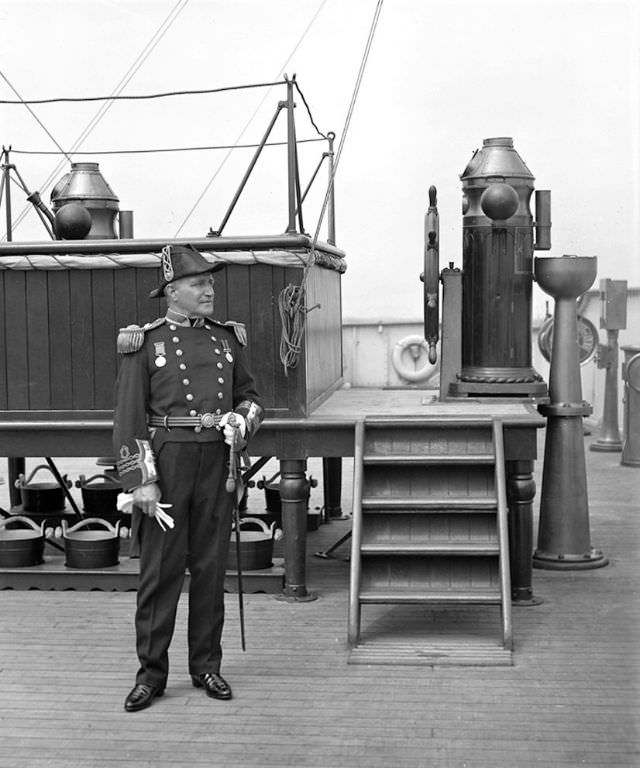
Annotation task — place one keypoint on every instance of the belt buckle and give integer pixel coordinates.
(207, 420)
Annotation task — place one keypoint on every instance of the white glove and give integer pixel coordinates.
(231, 422)
(126, 501)
(146, 498)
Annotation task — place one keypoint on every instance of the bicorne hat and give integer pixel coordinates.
(182, 261)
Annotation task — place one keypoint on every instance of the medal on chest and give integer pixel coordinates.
(160, 352)
(227, 350)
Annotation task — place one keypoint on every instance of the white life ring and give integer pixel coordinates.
(404, 371)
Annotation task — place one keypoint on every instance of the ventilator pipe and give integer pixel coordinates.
(564, 541)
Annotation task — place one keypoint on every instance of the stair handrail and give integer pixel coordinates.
(356, 536)
(503, 536)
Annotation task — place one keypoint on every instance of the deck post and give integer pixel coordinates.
(521, 491)
(293, 495)
(16, 465)
(292, 167)
(332, 486)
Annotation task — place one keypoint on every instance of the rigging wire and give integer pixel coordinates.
(249, 121)
(345, 130)
(163, 95)
(124, 81)
(304, 101)
(162, 149)
(291, 301)
(33, 114)
(172, 149)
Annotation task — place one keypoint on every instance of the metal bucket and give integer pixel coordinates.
(256, 546)
(21, 547)
(41, 498)
(100, 496)
(91, 543)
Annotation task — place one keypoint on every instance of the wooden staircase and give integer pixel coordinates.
(430, 530)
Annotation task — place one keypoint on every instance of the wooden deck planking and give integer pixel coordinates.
(571, 699)
(362, 401)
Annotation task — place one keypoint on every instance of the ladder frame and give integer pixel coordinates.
(354, 618)
(353, 631)
(503, 534)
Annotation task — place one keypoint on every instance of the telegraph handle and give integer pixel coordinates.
(431, 275)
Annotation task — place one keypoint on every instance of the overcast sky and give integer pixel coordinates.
(562, 77)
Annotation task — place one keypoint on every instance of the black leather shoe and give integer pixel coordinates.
(214, 685)
(141, 697)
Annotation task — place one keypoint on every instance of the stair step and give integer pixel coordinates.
(486, 548)
(429, 438)
(464, 422)
(432, 653)
(448, 503)
(426, 459)
(426, 525)
(405, 595)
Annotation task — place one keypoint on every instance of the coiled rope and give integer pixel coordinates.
(292, 317)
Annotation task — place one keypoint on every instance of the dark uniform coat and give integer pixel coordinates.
(168, 369)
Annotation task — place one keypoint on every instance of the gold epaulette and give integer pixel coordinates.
(240, 330)
(131, 338)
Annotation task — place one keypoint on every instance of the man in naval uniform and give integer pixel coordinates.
(183, 391)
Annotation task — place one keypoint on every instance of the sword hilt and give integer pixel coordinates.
(230, 483)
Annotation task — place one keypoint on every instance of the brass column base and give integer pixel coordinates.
(560, 562)
(606, 446)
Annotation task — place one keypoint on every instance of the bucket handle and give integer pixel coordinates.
(22, 483)
(270, 529)
(264, 482)
(83, 482)
(22, 519)
(114, 529)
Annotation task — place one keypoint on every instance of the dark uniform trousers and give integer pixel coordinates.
(192, 478)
